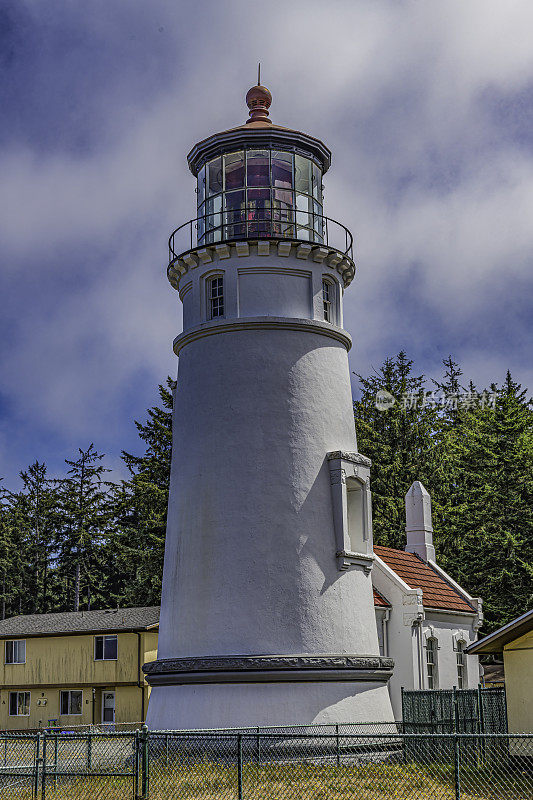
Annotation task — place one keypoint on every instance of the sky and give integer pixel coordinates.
(427, 106)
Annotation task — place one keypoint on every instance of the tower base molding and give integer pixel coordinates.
(267, 669)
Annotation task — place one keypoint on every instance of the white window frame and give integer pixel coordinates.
(432, 646)
(18, 693)
(211, 299)
(329, 306)
(14, 642)
(70, 713)
(462, 673)
(105, 636)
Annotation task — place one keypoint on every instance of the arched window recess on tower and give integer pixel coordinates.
(352, 510)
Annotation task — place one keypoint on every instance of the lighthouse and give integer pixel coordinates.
(267, 613)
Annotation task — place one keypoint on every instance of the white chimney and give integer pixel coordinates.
(418, 522)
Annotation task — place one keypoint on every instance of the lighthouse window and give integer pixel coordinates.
(215, 297)
(257, 168)
(234, 171)
(282, 170)
(260, 193)
(327, 294)
(214, 176)
(302, 169)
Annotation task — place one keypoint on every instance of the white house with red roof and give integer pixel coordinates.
(425, 619)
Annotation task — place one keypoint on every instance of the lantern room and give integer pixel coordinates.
(260, 181)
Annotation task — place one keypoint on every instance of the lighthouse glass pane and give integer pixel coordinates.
(235, 216)
(234, 171)
(283, 213)
(317, 183)
(259, 213)
(304, 219)
(257, 168)
(282, 170)
(318, 222)
(213, 222)
(302, 169)
(200, 224)
(201, 187)
(214, 176)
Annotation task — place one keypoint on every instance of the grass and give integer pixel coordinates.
(205, 780)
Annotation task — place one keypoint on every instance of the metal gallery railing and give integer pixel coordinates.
(252, 223)
(343, 763)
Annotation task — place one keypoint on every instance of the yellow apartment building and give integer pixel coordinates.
(76, 668)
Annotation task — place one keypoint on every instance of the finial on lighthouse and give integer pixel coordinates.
(258, 100)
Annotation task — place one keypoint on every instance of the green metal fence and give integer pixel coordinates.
(259, 764)
(454, 711)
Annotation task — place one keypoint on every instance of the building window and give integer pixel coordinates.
(461, 665)
(70, 702)
(105, 648)
(215, 297)
(327, 297)
(16, 651)
(431, 662)
(19, 704)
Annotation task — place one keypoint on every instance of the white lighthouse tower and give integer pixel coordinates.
(267, 613)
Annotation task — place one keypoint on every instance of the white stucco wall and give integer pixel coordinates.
(268, 704)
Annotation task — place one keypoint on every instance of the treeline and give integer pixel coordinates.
(81, 542)
(472, 448)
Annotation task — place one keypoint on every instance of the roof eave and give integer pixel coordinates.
(496, 641)
(239, 138)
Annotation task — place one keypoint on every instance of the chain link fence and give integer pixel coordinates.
(454, 710)
(303, 763)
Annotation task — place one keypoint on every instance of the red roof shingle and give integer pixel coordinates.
(437, 593)
(379, 600)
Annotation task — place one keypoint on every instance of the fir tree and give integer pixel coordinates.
(399, 441)
(139, 507)
(490, 520)
(84, 523)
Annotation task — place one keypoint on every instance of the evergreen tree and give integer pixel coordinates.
(489, 542)
(84, 525)
(139, 508)
(398, 440)
(31, 518)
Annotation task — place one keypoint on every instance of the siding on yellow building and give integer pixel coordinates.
(56, 662)
(518, 663)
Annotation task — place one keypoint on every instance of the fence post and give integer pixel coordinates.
(258, 747)
(89, 752)
(480, 715)
(56, 747)
(338, 744)
(166, 750)
(144, 761)
(136, 764)
(239, 766)
(38, 761)
(457, 766)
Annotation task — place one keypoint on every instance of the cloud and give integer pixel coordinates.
(426, 106)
